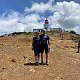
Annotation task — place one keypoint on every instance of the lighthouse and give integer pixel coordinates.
(46, 24)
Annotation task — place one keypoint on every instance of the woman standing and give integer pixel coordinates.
(36, 47)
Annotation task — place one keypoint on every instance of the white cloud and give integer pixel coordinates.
(16, 22)
(67, 14)
(11, 23)
(39, 8)
(31, 21)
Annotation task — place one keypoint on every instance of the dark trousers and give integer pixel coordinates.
(78, 48)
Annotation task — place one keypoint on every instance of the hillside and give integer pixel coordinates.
(17, 59)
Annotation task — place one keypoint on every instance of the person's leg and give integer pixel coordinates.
(39, 51)
(41, 58)
(42, 51)
(46, 58)
(60, 35)
(46, 52)
(38, 58)
(35, 59)
(78, 49)
(35, 55)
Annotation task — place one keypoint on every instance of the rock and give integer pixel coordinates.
(32, 70)
(1, 44)
(58, 78)
(25, 57)
(66, 46)
(4, 68)
(13, 60)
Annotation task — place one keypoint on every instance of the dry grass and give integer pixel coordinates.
(64, 62)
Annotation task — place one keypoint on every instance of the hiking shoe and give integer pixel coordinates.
(46, 62)
(37, 63)
(77, 52)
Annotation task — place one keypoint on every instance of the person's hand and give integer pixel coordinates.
(48, 49)
(32, 48)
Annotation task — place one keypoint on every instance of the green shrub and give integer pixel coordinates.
(73, 32)
(26, 33)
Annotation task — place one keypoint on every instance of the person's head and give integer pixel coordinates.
(43, 31)
(36, 33)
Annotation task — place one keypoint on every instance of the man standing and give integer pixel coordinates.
(78, 44)
(45, 45)
(36, 47)
(61, 33)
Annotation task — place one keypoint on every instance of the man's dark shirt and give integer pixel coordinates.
(36, 43)
(44, 39)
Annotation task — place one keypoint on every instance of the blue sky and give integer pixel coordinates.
(20, 15)
(19, 5)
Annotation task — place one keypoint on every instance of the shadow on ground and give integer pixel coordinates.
(33, 64)
(29, 64)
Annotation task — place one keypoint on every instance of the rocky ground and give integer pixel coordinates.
(17, 59)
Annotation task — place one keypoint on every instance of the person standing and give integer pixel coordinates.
(36, 47)
(78, 45)
(61, 33)
(45, 46)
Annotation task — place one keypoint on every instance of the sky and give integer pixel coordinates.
(25, 15)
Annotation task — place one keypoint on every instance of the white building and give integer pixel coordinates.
(37, 30)
(56, 29)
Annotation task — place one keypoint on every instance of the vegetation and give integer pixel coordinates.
(73, 32)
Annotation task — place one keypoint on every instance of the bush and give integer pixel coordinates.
(26, 33)
(73, 32)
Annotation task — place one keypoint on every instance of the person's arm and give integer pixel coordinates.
(32, 43)
(49, 45)
(49, 42)
(79, 43)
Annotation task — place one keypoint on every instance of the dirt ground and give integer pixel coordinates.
(17, 60)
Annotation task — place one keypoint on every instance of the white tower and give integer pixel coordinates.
(46, 24)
